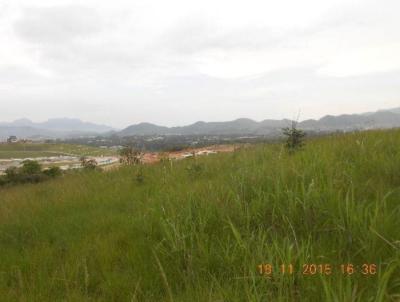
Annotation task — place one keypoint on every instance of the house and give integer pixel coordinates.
(12, 139)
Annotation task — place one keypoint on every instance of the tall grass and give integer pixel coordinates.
(197, 229)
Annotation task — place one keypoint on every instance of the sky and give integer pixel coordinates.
(176, 62)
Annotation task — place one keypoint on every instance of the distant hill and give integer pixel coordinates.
(72, 128)
(346, 122)
(394, 110)
(52, 128)
(143, 129)
(380, 119)
(25, 132)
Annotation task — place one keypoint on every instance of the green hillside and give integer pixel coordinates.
(197, 229)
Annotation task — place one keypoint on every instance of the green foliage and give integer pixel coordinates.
(30, 167)
(11, 174)
(53, 171)
(29, 172)
(294, 137)
(103, 237)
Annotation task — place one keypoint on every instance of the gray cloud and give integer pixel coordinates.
(199, 35)
(48, 25)
(116, 63)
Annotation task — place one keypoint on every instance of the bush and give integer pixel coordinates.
(53, 171)
(12, 174)
(30, 167)
(88, 164)
(30, 172)
(130, 156)
(294, 140)
(32, 178)
(3, 181)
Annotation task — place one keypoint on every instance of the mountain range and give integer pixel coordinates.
(243, 126)
(68, 128)
(52, 128)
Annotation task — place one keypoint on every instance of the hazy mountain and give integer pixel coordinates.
(346, 122)
(239, 126)
(67, 128)
(52, 128)
(67, 124)
(394, 110)
(60, 124)
(25, 132)
(380, 119)
(143, 129)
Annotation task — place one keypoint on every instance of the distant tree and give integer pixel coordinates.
(31, 167)
(130, 156)
(89, 164)
(30, 172)
(294, 137)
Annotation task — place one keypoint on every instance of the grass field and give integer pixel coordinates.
(25, 150)
(196, 230)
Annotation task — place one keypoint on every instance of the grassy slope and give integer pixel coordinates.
(198, 234)
(21, 150)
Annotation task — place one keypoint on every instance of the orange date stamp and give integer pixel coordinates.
(311, 269)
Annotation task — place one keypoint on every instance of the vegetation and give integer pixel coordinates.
(294, 137)
(53, 171)
(88, 164)
(30, 172)
(130, 156)
(197, 229)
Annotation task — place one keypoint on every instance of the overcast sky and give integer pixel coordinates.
(176, 62)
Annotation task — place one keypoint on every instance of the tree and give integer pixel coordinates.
(130, 156)
(89, 164)
(294, 137)
(30, 167)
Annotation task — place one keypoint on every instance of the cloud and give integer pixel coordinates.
(49, 25)
(176, 61)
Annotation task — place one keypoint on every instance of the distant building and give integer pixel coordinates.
(12, 139)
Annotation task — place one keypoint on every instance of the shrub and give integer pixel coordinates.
(3, 181)
(294, 137)
(30, 172)
(30, 167)
(53, 171)
(32, 178)
(130, 156)
(11, 174)
(88, 164)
